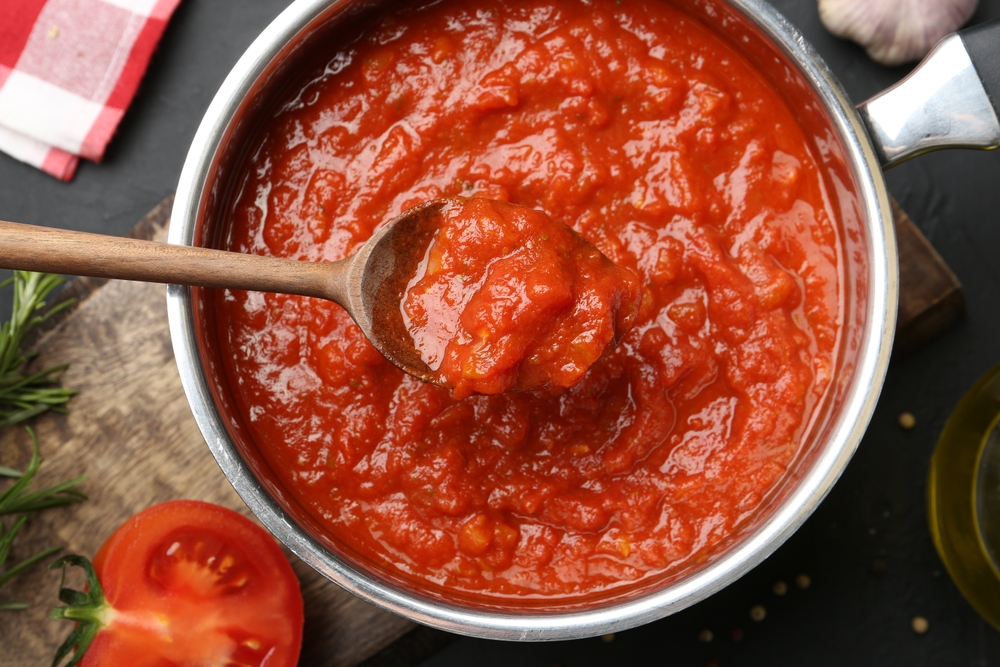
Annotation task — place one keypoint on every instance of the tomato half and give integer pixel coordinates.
(188, 583)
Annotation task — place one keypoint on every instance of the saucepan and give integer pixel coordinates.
(946, 102)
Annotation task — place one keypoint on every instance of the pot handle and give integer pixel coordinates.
(951, 100)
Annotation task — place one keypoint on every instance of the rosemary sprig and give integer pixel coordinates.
(16, 500)
(23, 397)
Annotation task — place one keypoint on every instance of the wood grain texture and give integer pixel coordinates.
(130, 430)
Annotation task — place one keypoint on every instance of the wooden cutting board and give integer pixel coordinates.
(130, 430)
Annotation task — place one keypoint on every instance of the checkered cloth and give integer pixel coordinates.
(68, 70)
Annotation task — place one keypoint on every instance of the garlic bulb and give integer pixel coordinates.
(895, 31)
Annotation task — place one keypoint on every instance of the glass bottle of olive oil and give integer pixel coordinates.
(963, 496)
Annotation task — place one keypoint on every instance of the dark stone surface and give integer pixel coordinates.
(866, 549)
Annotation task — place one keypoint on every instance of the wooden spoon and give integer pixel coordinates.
(369, 284)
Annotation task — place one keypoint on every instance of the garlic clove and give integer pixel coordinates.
(895, 31)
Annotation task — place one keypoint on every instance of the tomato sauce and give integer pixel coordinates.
(508, 298)
(656, 141)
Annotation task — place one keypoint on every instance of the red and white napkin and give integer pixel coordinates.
(68, 71)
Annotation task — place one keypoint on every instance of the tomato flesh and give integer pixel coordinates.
(194, 584)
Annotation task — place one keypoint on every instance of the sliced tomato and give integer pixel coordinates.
(191, 584)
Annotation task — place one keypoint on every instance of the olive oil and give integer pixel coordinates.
(963, 496)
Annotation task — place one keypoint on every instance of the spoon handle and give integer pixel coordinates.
(32, 248)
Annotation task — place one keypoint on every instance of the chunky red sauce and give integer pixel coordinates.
(656, 141)
(508, 298)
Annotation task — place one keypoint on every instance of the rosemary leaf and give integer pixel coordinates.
(8, 418)
(10, 573)
(15, 490)
(12, 606)
(23, 397)
(7, 536)
(57, 495)
(16, 499)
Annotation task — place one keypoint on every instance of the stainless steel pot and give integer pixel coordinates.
(947, 106)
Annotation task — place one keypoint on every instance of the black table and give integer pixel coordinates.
(866, 550)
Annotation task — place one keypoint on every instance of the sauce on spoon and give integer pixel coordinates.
(505, 298)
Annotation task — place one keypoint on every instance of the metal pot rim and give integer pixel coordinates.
(858, 405)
